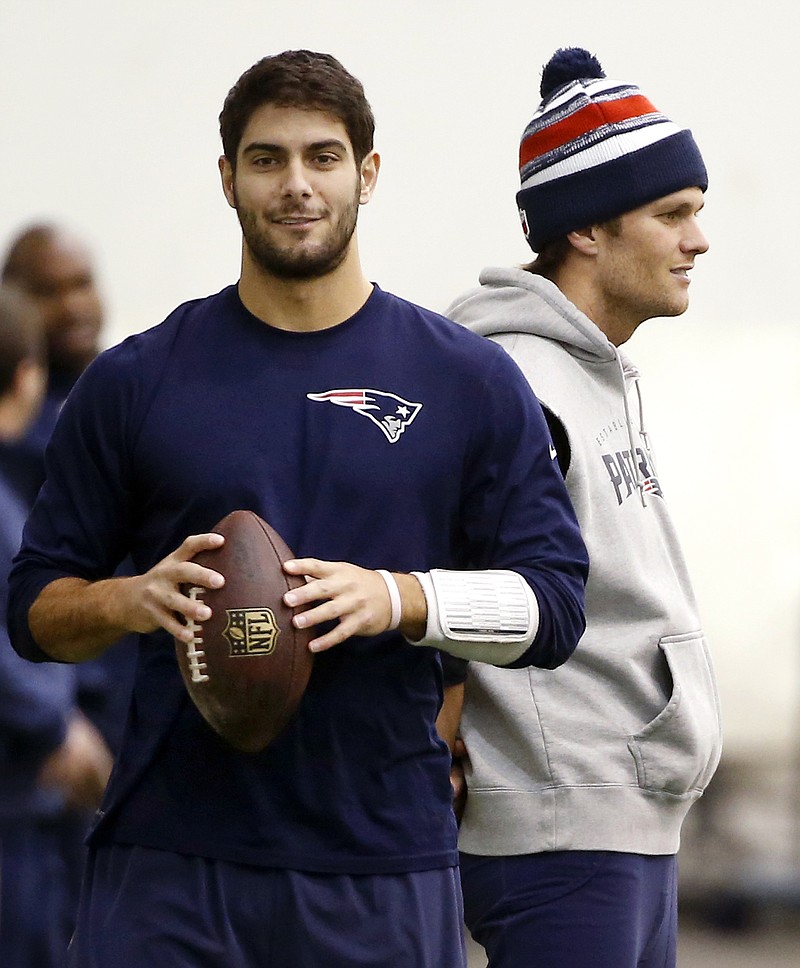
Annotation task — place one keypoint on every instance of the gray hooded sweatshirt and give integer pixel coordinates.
(609, 751)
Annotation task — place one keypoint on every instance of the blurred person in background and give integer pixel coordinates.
(55, 269)
(53, 762)
(579, 780)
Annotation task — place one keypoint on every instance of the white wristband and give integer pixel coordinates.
(394, 598)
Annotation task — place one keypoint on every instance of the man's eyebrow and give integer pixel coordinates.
(691, 209)
(328, 143)
(261, 146)
(255, 146)
(683, 207)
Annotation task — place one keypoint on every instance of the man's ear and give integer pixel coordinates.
(370, 167)
(226, 174)
(584, 240)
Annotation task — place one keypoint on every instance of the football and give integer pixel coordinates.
(247, 667)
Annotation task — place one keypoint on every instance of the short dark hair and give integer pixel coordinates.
(21, 333)
(302, 79)
(551, 256)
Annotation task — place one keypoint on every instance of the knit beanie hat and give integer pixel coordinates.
(595, 149)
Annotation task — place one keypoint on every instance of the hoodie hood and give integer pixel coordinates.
(518, 301)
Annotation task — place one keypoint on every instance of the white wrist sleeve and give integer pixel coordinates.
(483, 616)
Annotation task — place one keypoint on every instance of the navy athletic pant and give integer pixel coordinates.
(572, 909)
(145, 908)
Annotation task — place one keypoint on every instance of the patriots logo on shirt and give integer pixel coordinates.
(391, 413)
(651, 486)
(622, 467)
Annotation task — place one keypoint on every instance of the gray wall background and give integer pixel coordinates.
(108, 116)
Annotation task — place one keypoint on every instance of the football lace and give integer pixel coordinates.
(194, 652)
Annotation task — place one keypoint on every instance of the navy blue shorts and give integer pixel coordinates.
(145, 908)
(573, 909)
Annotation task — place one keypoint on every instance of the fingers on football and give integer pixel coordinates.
(354, 596)
(169, 602)
(198, 542)
(190, 573)
(310, 567)
(327, 641)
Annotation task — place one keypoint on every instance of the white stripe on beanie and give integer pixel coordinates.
(607, 149)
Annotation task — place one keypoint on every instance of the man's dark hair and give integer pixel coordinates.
(21, 336)
(298, 79)
(551, 256)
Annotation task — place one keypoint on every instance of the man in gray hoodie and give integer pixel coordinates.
(579, 779)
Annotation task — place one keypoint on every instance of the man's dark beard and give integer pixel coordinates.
(285, 263)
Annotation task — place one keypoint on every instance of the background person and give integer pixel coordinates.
(579, 781)
(55, 269)
(53, 763)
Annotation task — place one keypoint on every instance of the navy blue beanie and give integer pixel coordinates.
(595, 149)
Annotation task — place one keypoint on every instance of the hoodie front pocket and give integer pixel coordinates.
(678, 751)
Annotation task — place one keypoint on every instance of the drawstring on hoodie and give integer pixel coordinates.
(637, 473)
(642, 432)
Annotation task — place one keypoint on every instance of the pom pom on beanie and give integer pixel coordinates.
(566, 65)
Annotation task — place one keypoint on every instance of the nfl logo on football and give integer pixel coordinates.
(251, 631)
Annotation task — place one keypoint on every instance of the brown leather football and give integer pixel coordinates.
(248, 666)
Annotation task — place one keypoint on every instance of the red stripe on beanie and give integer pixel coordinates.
(589, 118)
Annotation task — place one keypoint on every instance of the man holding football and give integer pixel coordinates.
(310, 396)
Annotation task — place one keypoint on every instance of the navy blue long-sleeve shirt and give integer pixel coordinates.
(395, 440)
